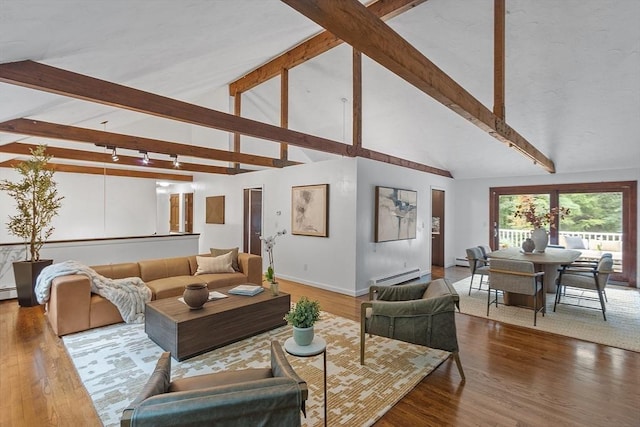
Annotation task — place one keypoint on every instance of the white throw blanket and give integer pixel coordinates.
(129, 295)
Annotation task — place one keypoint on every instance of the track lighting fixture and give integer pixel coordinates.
(176, 163)
(114, 155)
(145, 158)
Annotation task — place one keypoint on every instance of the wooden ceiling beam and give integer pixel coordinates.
(315, 46)
(499, 12)
(353, 23)
(92, 156)
(59, 167)
(50, 79)
(71, 133)
(42, 77)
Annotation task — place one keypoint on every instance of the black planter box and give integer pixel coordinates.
(26, 273)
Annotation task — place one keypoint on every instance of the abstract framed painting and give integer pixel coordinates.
(396, 214)
(310, 210)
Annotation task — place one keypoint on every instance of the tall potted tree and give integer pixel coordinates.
(37, 202)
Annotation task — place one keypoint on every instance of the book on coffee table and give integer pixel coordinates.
(249, 290)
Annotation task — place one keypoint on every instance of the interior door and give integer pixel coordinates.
(252, 221)
(188, 213)
(437, 227)
(174, 213)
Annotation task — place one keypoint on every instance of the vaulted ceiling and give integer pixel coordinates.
(571, 85)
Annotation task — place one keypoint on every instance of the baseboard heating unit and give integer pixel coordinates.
(462, 262)
(395, 278)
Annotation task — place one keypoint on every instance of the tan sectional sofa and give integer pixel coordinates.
(73, 308)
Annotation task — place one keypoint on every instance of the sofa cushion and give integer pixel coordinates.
(219, 379)
(217, 252)
(153, 269)
(168, 287)
(218, 264)
(118, 271)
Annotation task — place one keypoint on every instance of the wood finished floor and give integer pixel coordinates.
(515, 376)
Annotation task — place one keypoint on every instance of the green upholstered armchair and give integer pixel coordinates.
(422, 314)
(271, 396)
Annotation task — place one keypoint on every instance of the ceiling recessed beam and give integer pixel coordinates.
(71, 133)
(353, 23)
(315, 46)
(92, 156)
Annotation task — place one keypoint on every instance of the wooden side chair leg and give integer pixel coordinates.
(456, 357)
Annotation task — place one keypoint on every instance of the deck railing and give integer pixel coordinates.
(592, 241)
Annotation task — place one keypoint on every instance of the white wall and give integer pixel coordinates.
(349, 258)
(472, 201)
(93, 206)
(324, 262)
(375, 259)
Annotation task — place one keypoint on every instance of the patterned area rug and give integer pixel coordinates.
(622, 328)
(114, 363)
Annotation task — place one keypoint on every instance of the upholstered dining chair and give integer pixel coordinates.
(517, 277)
(421, 313)
(585, 276)
(485, 250)
(478, 265)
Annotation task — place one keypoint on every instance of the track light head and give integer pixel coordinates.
(176, 163)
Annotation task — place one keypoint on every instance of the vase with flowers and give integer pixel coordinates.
(540, 236)
(270, 275)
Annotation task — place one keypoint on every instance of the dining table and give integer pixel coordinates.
(548, 261)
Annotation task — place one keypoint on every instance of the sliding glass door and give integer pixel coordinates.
(603, 219)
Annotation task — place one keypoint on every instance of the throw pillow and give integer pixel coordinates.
(219, 264)
(218, 252)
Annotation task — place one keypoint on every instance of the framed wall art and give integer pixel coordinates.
(214, 210)
(310, 210)
(396, 214)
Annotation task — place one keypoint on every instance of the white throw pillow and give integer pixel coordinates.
(219, 264)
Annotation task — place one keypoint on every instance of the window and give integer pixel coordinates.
(603, 219)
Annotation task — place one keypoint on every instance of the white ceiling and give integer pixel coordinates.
(572, 74)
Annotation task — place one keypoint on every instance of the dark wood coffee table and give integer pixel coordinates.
(186, 333)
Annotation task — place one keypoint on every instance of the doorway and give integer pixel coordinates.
(174, 213)
(252, 221)
(437, 228)
(188, 213)
(181, 217)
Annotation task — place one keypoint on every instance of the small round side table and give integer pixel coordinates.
(318, 346)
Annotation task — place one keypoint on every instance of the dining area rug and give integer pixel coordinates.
(621, 329)
(114, 363)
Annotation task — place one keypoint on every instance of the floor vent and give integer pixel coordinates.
(395, 278)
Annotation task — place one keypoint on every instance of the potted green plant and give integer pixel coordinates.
(270, 274)
(304, 314)
(37, 202)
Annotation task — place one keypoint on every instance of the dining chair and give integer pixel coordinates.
(585, 277)
(518, 277)
(478, 265)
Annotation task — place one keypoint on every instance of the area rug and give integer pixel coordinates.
(622, 328)
(114, 363)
